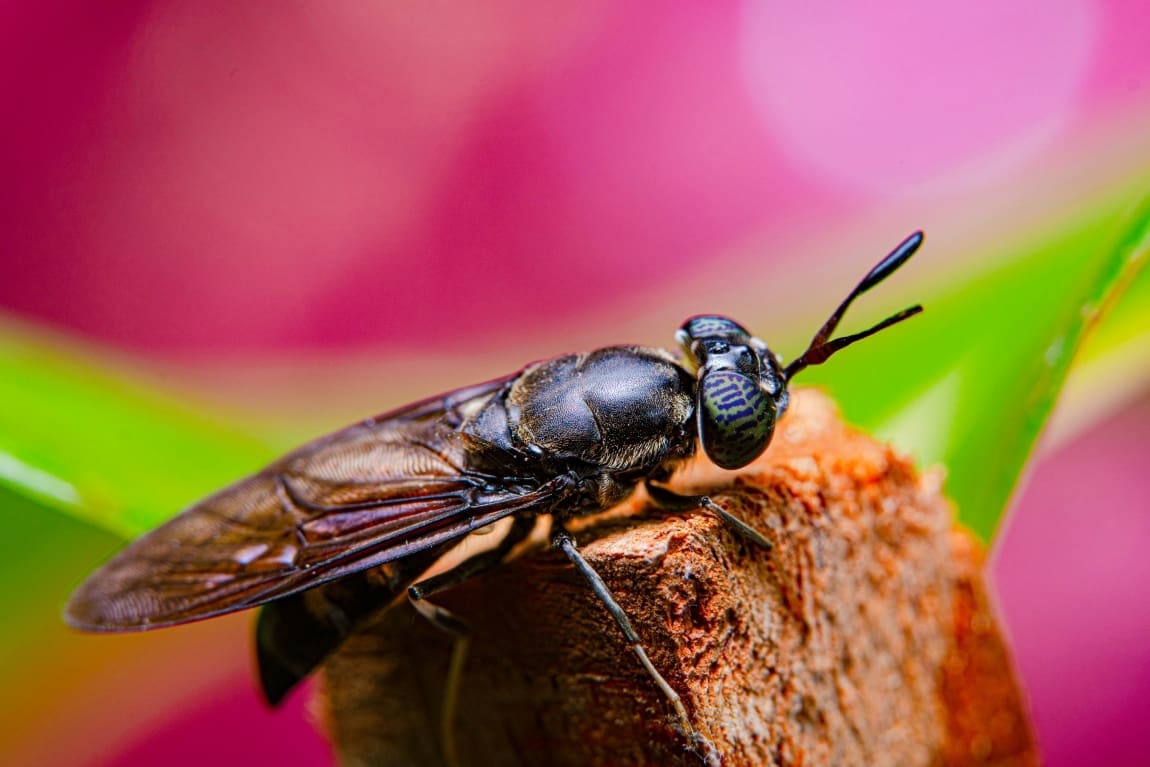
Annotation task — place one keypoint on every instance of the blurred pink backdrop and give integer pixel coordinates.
(199, 181)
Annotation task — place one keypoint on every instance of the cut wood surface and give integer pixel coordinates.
(863, 637)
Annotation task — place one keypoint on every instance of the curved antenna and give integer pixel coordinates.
(820, 348)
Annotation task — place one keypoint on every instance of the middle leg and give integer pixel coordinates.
(457, 628)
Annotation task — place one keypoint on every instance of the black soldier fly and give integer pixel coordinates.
(331, 533)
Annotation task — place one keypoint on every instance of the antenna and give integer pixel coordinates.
(820, 348)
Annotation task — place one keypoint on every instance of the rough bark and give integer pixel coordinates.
(864, 637)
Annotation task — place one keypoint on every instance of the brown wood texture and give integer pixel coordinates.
(864, 637)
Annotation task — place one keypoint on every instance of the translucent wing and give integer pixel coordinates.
(385, 488)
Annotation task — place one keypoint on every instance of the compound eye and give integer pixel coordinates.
(704, 325)
(736, 418)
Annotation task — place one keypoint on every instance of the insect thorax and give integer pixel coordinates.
(620, 410)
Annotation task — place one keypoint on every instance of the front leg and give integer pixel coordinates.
(562, 540)
(672, 501)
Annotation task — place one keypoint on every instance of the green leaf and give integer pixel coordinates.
(970, 384)
(43, 555)
(80, 439)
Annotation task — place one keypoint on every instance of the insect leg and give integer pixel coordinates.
(521, 527)
(562, 540)
(460, 632)
(456, 627)
(672, 501)
(296, 633)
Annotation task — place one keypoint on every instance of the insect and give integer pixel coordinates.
(334, 531)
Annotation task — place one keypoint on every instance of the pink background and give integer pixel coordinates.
(207, 184)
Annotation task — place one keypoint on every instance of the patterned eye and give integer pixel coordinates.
(736, 418)
(704, 325)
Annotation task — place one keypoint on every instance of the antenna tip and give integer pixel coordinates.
(913, 241)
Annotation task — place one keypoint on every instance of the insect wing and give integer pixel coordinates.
(382, 489)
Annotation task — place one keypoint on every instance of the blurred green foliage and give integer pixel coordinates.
(970, 384)
(80, 438)
(35, 567)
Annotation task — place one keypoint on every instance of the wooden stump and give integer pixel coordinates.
(864, 637)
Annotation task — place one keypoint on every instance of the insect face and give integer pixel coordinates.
(742, 389)
(740, 393)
